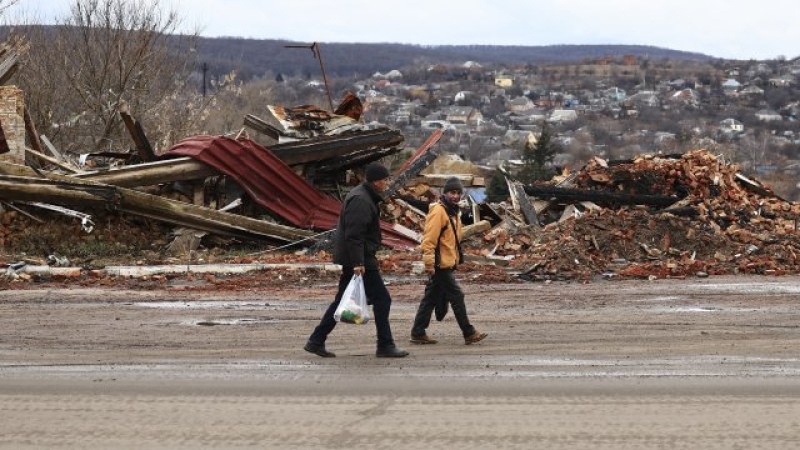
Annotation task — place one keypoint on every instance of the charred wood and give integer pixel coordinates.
(611, 199)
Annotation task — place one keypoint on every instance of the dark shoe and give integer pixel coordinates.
(391, 352)
(474, 337)
(422, 339)
(318, 350)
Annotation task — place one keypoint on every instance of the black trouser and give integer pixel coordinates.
(377, 295)
(443, 287)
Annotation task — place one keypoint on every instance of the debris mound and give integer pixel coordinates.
(719, 222)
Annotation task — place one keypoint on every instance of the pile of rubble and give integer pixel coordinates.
(654, 216)
(690, 215)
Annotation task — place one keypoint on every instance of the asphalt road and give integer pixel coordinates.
(700, 364)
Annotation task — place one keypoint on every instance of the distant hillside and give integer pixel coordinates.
(252, 58)
(255, 58)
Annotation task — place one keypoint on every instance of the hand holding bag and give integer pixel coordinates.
(353, 305)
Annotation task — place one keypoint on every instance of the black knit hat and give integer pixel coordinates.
(453, 184)
(375, 171)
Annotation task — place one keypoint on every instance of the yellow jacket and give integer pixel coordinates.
(437, 223)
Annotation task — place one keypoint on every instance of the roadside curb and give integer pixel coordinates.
(173, 269)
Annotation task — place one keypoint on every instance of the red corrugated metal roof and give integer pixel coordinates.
(272, 184)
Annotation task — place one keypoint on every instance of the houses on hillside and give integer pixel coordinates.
(500, 110)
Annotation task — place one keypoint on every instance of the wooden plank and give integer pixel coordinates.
(9, 66)
(475, 208)
(152, 173)
(429, 142)
(52, 161)
(521, 203)
(603, 198)
(338, 151)
(136, 131)
(52, 149)
(425, 158)
(30, 130)
(198, 194)
(260, 125)
(66, 190)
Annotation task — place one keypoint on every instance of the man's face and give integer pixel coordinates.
(381, 185)
(453, 196)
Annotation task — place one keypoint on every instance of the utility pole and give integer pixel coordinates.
(314, 47)
(204, 67)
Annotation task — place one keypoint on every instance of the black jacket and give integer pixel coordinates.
(358, 235)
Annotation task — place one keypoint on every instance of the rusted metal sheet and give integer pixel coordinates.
(272, 184)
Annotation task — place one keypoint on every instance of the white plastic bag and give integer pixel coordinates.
(353, 305)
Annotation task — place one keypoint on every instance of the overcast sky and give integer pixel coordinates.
(733, 29)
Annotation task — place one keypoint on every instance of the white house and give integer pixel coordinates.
(394, 75)
(752, 90)
(768, 115)
(731, 85)
(563, 115)
(462, 96)
(731, 125)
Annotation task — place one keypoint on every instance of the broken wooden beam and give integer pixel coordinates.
(152, 173)
(61, 189)
(604, 198)
(9, 65)
(18, 170)
(30, 189)
(52, 161)
(429, 142)
(426, 155)
(30, 130)
(355, 159)
(521, 202)
(52, 149)
(260, 125)
(335, 151)
(481, 226)
(136, 131)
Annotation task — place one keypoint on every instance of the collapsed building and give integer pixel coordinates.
(659, 216)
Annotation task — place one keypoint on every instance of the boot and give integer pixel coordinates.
(422, 339)
(477, 336)
(318, 350)
(390, 352)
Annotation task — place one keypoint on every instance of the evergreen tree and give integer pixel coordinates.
(497, 190)
(536, 157)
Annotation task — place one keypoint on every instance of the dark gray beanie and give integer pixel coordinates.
(375, 171)
(453, 184)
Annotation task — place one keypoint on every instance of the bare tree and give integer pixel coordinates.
(104, 56)
(5, 4)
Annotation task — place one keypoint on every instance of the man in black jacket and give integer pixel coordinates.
(358, 237)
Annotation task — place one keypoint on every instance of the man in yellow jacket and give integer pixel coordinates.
(441, 254)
